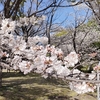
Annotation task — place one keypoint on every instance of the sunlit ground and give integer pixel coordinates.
(17, 86)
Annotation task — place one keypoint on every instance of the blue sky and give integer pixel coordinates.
(69, 13)
(1, 7)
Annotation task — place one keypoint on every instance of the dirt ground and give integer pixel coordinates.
(16, 86)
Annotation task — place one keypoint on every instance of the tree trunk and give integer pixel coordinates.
(0, 76)
(74, 40)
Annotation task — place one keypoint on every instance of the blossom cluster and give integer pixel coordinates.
(34, 56)
(82, 87)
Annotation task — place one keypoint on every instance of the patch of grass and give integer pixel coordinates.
(33, 87)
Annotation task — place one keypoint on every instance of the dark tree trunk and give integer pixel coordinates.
(74, 41)
(0, 76)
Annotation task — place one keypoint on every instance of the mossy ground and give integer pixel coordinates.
(17, 86)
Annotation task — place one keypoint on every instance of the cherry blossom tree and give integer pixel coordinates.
(34, 54)
(37, 56)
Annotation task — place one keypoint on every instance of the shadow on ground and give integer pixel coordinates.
(17, 86)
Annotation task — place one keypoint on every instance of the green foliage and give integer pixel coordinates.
(61, 33)
(96, 44)
(92, 23)
(83, 68)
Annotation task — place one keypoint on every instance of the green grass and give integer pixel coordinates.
(17, 86)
